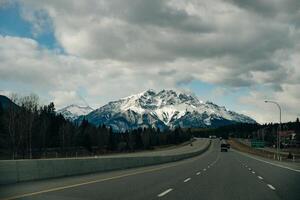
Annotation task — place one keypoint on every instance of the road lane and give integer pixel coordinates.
(227, 177)
(129, 187)
(285, 181)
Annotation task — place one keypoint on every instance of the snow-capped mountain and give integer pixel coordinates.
(72, 112)
(163, 109)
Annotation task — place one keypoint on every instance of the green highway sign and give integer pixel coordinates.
(257, 143)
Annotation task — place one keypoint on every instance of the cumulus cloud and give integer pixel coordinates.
(288, 99)
(25, 62)
(118, 47)
(142, 32)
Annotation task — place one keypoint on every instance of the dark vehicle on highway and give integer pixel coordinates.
(224, 147)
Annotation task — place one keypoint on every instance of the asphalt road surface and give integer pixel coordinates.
(212, 175)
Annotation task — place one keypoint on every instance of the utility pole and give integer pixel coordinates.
(278, 132)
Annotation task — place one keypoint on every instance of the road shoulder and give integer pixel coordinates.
(290, 166)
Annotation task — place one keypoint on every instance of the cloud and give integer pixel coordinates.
(26, 63)
(142, 32)
(288, 98)
(269, 8)
(5, 3)
(118, 47)
(39, 19)
(5, 93)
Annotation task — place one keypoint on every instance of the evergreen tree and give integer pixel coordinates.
(111, 140)
(3, 131)
(297, 129)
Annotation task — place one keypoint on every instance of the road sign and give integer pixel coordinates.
(257, 143)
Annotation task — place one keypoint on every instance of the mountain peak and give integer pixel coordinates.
(74, 106)
(152, 100)
(7, 102)
(73, 111)
(150, 92)
(163, 109)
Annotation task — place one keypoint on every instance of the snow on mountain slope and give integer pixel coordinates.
(72, 112)
(166, 108)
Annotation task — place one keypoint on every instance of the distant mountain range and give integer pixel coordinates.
(7, 103)
(163, 109)
(72, 112)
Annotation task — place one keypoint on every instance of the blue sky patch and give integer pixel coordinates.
(12, 24)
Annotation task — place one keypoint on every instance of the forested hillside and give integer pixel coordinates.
(30, 131)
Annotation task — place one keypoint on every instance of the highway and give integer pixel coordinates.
(212, 175)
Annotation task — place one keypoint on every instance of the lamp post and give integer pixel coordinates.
(278, 136)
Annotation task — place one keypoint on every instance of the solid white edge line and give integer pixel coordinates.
(261, 178)
(271, 187)
(277, 165)
(186, 180)
(165, 192)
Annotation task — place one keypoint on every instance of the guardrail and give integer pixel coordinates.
(13, 171)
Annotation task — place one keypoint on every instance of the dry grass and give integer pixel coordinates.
(244, 148)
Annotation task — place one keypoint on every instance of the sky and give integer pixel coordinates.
(235, 53)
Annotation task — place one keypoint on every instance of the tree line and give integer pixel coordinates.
(28, 130)
(266, 132)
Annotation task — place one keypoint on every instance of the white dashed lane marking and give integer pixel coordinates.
(165, 192)
(261, 178)
(204, 169)
(186, 180)
(198, 173)
(271, 186)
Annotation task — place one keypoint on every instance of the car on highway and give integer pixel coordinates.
(224, 147)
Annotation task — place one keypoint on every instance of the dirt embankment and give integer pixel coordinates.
(260, 152)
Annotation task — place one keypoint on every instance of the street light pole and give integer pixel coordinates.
(278, 136)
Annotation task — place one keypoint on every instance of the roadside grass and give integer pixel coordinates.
(259, 152)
